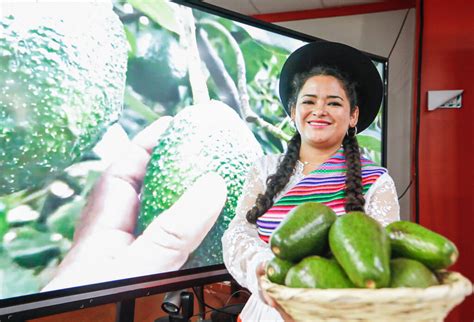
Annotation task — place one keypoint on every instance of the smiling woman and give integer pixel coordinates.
(330, 90)
(322, 115)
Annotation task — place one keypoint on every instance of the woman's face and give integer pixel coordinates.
(322, 112)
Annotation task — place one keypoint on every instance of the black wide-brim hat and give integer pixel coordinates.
(351, 62)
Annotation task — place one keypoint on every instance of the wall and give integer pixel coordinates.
(377, 33)
(446, 178)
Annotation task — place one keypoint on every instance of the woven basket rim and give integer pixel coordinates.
(453, 285)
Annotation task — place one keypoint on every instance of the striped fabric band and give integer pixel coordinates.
(326, 185)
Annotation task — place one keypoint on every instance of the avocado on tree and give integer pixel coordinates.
(208, 136)
(61, 86)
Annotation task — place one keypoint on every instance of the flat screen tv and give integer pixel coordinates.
(78, 97)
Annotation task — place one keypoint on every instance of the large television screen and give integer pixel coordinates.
(112, 114)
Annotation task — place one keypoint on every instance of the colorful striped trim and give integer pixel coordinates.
(326, 185)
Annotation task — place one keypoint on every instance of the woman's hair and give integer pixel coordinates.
(276, 182)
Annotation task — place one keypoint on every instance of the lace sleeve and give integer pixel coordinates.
(243, 250)
(382, 201)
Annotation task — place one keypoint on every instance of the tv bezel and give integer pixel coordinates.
(80, 297)
(69, 299)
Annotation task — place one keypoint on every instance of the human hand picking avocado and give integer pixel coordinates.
(105, 247)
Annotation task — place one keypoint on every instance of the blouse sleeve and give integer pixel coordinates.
(243, 250)
(382, 201)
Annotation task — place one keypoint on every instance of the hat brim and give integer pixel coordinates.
(348, 60)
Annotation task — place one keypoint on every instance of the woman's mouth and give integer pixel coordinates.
(319, 124)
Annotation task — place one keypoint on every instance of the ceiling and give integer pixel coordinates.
(255, 7)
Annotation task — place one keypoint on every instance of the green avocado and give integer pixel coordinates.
(411, 240)
(410, 273)
(277, 269)
(61, 85)
(362, 247)
(317, 272)
(200, 139)
(303, 232)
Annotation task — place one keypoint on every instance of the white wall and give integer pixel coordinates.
(376, 33)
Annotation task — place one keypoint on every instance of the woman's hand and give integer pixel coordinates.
(266, 298)
(105, 247)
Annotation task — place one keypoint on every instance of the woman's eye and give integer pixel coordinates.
(308, 102)
(334, 104)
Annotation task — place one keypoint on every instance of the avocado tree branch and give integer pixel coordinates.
(188, 41)
(225, 85)
(276, 131)
(245, 111)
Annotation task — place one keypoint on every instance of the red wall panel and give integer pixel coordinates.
(446, 152)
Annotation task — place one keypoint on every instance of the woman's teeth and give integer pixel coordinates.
(319, 123)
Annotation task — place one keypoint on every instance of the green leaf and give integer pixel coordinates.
(269, 143)
(14, 199)
(31, 248)
(15, 280)
(275, 43)
(256, 57)
(3, 220)
(371, 147)
(369, 142)
(63, 220)
(132, 42)
(160, 11)
(136, 105)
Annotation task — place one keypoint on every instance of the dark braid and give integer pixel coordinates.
(276, 182)
(354, 194)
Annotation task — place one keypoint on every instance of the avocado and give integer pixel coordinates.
(317, 272)
(411, 240)
(277, 269)
(303, 232)
(410, 273)
(200, 139)
(362, 247)
(62, 81)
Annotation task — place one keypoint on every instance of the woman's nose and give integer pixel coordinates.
(319, 109)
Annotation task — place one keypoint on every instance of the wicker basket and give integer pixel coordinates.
(388, 304)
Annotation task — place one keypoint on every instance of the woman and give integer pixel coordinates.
(330, 90)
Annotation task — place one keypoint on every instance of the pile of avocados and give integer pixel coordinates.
(314, 248)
